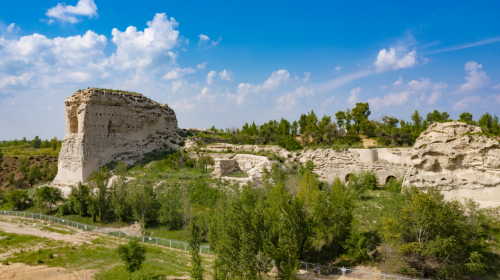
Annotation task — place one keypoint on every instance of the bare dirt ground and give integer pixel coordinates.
(368, 141)
(78, 238)
(20, 271)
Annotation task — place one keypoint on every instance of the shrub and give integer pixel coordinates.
(17, 199)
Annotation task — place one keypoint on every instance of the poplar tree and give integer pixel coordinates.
(195, 240)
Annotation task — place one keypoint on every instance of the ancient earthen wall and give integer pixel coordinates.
(104, 126)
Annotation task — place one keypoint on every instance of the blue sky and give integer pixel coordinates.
(228, 62)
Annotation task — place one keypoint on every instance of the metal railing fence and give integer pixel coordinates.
(325, 271)
(105, 230)
(312, 268)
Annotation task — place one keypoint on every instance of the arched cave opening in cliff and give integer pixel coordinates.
(347, 178)
(389, 178)
(73, 120)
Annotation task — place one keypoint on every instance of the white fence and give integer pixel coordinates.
(313, 269)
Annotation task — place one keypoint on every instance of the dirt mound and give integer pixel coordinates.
(11, 164)
(20, 271)
(133, 229)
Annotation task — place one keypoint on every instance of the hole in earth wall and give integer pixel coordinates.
(389, 178)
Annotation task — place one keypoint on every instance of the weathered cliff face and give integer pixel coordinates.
(457, 159)
(104, 126)
(385, 163)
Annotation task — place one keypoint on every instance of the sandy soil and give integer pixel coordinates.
(78, 238)
(368, 141)
(20, 271)
(134, 229)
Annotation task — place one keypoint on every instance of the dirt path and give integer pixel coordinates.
(20, 271)
(78, 238)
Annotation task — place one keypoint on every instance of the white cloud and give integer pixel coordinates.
(464, 103)
(353, 99)
(67, 13)
(276, 79)
(138, 49)
(398, 82)
(338, 82)
(225, 75)
(177, 73)
(210, 76)
(206, 43)
(16, 80)
(201, 66)
(434, 97)
(392, 99)
(328, 101)
(204, 95)
(182, 105)
(286, 102)
(178, 84)
(391, 60)
(337, 69)
(477, 78)
(497, 99)
(12, 28)
(307, 75)
(426, 84)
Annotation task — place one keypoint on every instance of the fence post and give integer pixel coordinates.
(170, 243)
(200, 249)
(370, 275)
(156, 240)
(107, 230)
(319, 269)
(143, 239)
(185, 247)
(306, 266)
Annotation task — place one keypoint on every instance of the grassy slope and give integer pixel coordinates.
(99, 255)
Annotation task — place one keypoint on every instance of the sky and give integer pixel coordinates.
(225, 63)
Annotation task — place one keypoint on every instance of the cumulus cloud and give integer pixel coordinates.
(288, 101)
(204, 96)
(387, 60)
(68, 13)
(392, 99)
(201, 66)
(210, 76)
(15, 81)
(276, 79)
(307, 75)
(477, 78)
(353, 99)
(398, 82)
(206, 43)
(178, 73)
(337, 69)
(148, 48)
(182, 105)
(12, 28)
(225, 75)
(464, 103)
(426, 84)
(434, 97)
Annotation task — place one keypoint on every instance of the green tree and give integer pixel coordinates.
(436, 116)
(439, 238)
(119, 199)
(205, 161)
(195, 240)
(33, 174)
(333, 214)
(170, 212)
(466, 117)
(24, 163)
(308, 191)
(144, 204)
(53, 143)
(17, 199)
(133, 255)
(99, 194)
(486, 122)
(47, 196)
(80, 198)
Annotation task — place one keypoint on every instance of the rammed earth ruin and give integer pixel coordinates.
(104, 126)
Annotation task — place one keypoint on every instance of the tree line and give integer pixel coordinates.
(36, 143)
(346, 127)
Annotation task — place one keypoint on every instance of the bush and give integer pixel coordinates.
(356, 246)
(363, 181)
(394, 186)
(17, 199)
